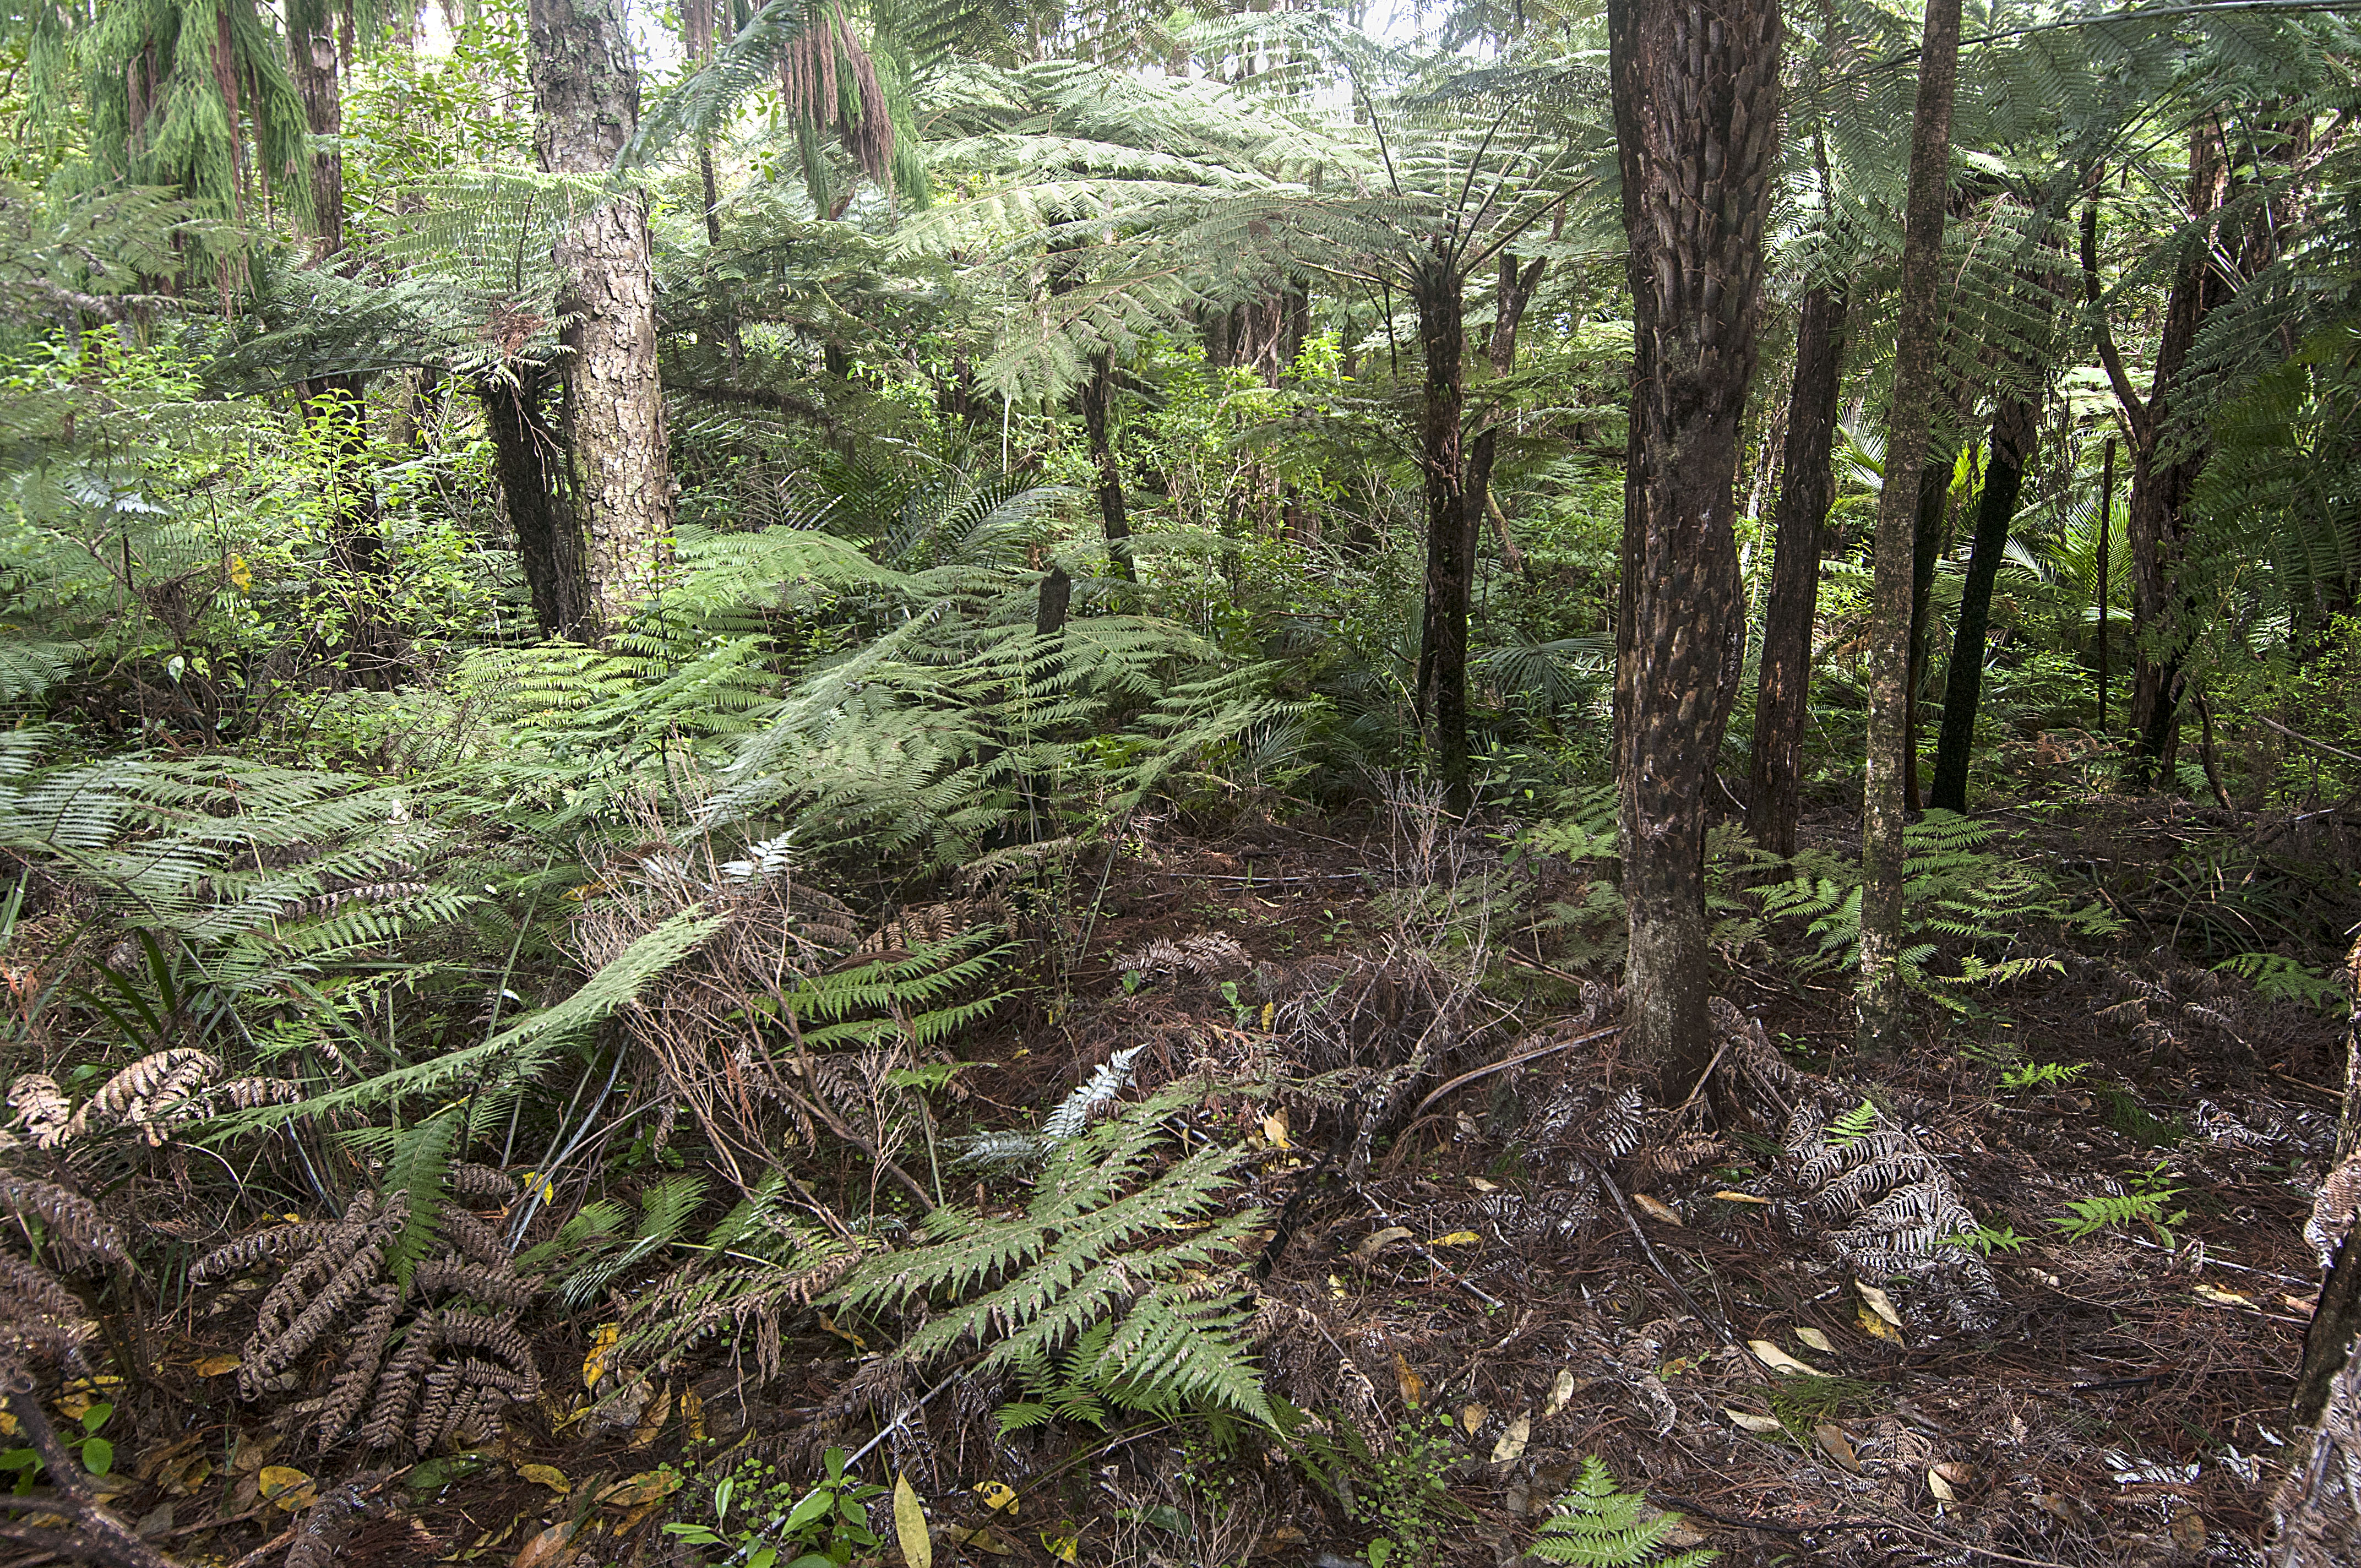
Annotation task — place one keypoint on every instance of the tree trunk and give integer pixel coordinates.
(586, 103)
(2166, 461)
(1097, 396)
(314, 60)
(2107, 614)
(1450, 560)
(2010, 449)
(531, 467)
(1515, 292)
(1930, 539)
(1696, 99)
(1884, 807)
(1781, 698)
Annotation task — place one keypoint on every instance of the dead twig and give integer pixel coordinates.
(1421, 1248)
(1506, 1062)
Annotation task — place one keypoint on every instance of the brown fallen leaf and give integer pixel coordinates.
(1513, 1442)
(1656, 1209)
(647, 1487)
(1762, 1426)
(2189, 1531)
(652, 1420)
(1818, 1341)
(1940, 1487)
(1833, 1442)
(1561, 1390)
(551, 1548)
(1377, 1242)
(1879, 1302)
(1471, 1416)
(217, 1366)
(1406, 1379)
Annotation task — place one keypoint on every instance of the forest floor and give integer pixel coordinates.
(1493, 1303)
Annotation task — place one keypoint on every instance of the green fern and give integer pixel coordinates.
(915, 996)
(1094, 1245)
(2142, 1202)
(1595, 1525)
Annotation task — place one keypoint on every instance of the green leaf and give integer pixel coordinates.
(95, 1417)
(97, 1455)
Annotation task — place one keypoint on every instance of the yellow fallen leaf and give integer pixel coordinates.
(1336, 1288)
(910, 1525)
(1270, 1011)
(1656, 1209)
(1831, 1441)
(1377, 1242)
(286, 1486)
(1406, 1378)
(1877, 1327)
(1817, 1339)
(1480, 1185)
(832, 1326)
(1940, 1487)
(1750, 1421)
(1459, 1238)
(602, 1344)
(1778, 1360)
(1730, 1196)
(2222, 1298)
(997, 1496)
(1877, 1301)
(1062, 1543)
(1471, 1416)
(1274, 1126)
(1560, 1391)
(217, 1366)
(548, 1475)
(647, 1487)
(692, 1414)
(652, 1421)
(1513, 1442)
(983, 1540)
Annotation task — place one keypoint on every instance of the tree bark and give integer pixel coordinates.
(2166, 459)
(530, 465)
(1884, 810)
(314, 61)
(1930, 538)
(1097, 396)
(1781, 697)
(2014, 432)
(1515, 291)
(586, 103)
(1450, 557)
(1696, 100)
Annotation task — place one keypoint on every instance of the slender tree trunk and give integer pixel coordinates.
(2165, 457)
(2106, 528)
(1781, 698)
(530, 465)
(1515, 291)
(1450, 560)
(1696, 99)
(2014, 431)
(314, 61)
(1097, 396)
(1884, 810)
(1930, 539)
(587, 103)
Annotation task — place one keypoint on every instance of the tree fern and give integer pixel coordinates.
(1597, 1525)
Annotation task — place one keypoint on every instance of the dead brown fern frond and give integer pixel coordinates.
(71, 1217)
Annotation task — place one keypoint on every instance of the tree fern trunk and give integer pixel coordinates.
(1930, 539)
(531, 469)
(1450, 560)
(1097, 396)
(1884, 807)
(586, 103)
(1781, 698)
(2013, 434)
(1696, 97)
